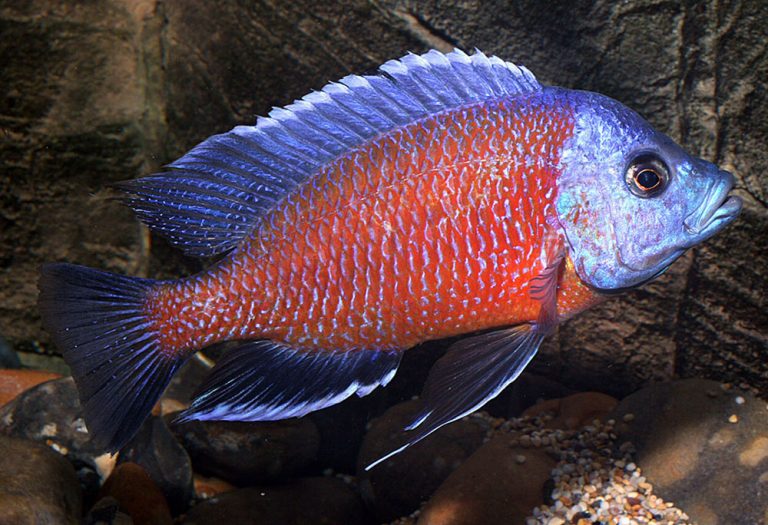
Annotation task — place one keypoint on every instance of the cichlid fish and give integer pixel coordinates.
(446, 195)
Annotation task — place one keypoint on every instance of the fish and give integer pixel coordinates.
(445, 195)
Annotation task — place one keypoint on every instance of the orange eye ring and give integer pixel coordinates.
(647, 175)
(648, 179)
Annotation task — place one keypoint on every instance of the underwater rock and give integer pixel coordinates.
(574, 411)
(528, 390)
(702, 446)
(498, 484)
(137, 495)
(206, 488)
(107, 511)
(158, 452)
(249, 453)
(50, 413)
(38, 485)
(14, 382)
(8, 358)
(397, 486)
(301, 502)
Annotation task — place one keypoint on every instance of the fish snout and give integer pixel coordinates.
(715, 211)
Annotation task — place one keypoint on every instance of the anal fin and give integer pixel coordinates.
(267, 381)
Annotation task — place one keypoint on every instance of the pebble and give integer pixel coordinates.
(209, 487)
(137, 495)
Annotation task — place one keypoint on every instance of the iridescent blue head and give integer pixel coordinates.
(630, 200)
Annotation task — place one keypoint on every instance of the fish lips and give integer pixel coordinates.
(716, 211)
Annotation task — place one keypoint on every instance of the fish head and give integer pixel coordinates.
(630, 200)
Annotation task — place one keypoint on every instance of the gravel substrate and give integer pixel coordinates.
(595, 480)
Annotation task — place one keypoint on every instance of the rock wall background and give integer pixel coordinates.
(95, 92)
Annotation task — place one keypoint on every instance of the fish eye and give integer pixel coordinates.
(647, 175)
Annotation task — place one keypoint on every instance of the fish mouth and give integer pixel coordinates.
(717, 210)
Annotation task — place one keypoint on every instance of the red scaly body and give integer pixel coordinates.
(432, 230)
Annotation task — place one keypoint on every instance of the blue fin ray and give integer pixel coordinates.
(266, 381)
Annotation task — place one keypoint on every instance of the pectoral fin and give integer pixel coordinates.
(477, 369)
(474, 371)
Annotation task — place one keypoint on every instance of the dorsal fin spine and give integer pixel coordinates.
(251, 168)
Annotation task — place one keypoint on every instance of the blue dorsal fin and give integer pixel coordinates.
(213, 196)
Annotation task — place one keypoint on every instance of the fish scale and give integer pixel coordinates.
(454, 200)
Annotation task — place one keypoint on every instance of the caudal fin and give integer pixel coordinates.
(97, 321)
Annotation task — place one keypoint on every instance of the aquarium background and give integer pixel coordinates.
(95, 92)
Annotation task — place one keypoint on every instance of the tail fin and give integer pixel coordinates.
(97, 321)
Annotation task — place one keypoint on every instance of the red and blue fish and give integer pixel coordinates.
(449, 194)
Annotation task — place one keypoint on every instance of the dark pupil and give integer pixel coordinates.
(647, 179)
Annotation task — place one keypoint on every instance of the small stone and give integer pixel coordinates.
(733, 418)
(208, 487)
(520, 459)
(739, 400)
(628, 418)
(574, 411)
(137, 494)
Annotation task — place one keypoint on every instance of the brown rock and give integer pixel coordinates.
(498, 484)
(137, 495)
(306, 501)
(397, 486)
(14, 382)
(249, 453)
(702, 447)
(574, 411)
(208, 487)
(38, 485)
